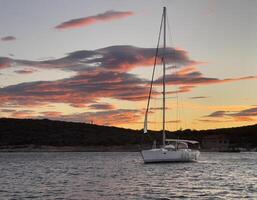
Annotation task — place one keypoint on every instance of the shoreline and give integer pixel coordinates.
(127, 148)
(31, 148)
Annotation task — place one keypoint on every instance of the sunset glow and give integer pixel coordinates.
(97, 69)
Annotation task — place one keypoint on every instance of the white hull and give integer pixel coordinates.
(165, 155)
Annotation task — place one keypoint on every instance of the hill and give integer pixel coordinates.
(34, 133)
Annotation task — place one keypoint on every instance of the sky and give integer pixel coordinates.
(91, 61)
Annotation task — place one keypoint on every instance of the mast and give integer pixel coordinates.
(163, 91)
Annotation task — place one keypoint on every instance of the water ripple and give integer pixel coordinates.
(79, 176)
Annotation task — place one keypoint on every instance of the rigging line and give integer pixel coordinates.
(169, 30)
(178, 112)
(178, 116)
(155, 118)
(175, 73)
(164, 74)
(155, 62)
(183, 113)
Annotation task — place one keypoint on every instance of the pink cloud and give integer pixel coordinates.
(120, 58)
(103, 73)
(190, 77)
(80, 90)
(90, 20)
(89, 86)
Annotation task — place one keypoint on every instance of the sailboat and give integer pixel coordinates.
(172, 150)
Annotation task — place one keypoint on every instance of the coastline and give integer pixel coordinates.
(126, 148)
(32, 148)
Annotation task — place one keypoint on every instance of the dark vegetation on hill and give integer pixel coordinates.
(17, 132)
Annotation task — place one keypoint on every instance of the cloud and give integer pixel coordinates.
(108, 117)
(22, 114)
(51, 114)
(123, 58)
(217, 114)
(244, 119)
(189, 77)
(214, 120)
(199, 97)
(181, 89)
(102, 106)
(25, 71)
(120, 58)
(102, 73)
(126, 58)
(5, 62)
(249, 114)
(8, 38)
(246, 113)
(90, 20)
(111, 117)
(158, 108)
(117, 117)
(79, 91)
(7, 110)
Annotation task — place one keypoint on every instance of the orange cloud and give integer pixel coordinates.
(51, 114)
(22, 114)
(87, 21)
(189, 77)
(244, 119)
(111, 117)
(5, 62)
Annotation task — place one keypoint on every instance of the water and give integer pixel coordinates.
(121, 175)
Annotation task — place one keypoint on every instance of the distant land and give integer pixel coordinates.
(48, 135)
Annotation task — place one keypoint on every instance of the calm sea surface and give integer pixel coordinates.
(109, 175)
